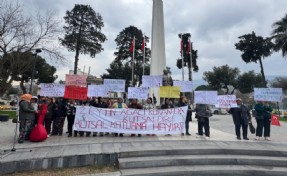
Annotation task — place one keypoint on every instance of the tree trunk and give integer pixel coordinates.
(8, 86)
(76, 61)
(262, 72)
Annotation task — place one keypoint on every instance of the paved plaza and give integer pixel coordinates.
(222, 136)
(221, 129)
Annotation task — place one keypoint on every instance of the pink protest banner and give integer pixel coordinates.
(76, 80)
(77, 93)
(134, 121)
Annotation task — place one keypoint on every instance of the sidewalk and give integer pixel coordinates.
(61, 151)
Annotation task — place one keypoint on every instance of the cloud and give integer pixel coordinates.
(214, 25)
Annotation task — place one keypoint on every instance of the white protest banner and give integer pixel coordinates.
(138, 92)
(115, 85)
(268, 94)
(185, 86)
(134, 121)
(76, 80)
(226, 101)
(52, 90)
(98, 91)
(205, 97)
(151, 81)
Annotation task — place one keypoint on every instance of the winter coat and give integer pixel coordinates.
(262, 111)
(189, 112)
(241, 112)
(49, 113)
(26, 111)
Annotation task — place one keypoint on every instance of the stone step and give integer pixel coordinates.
(209, 170)
(155, 151)
(179, 160)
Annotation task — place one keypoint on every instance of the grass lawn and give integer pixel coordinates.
(12, 113)
(283, 119)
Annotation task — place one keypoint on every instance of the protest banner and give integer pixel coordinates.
(77, 93)
(169, 91)
(52, 90)
(205, 97)
(185, 86)
(226, 101)
(133, 121)
(115, 85)
(98, 91)
(138, 92)
(151, 81)
(268, 94)
(76, 80)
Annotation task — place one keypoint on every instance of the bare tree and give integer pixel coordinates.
(22, 34)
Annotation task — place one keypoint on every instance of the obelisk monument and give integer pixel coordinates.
(158, 63)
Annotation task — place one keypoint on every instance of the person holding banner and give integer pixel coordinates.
(241, 117)
(59, 114)
(263, 117)
(183, 102)
(119, 105)
(71, 113)
(135, 105)
(149, 105)
(202, 114)
(101, 104)
(167, 105)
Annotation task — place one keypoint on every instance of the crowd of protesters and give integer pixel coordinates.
(59, 109)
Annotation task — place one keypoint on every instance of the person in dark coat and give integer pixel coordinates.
(263, 118)
(49, 115)
(167, 104)
(183, 102)
(202, 114)
(59, 115)
(135, 105)
(101, 104)
(26, 117)
(71, 113)
(241, 117)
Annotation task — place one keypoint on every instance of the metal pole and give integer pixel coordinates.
(182, 64)
(133, 59)
(143, 53)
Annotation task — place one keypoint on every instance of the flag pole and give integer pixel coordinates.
(133, 43)
(182, 64)
(143, 53)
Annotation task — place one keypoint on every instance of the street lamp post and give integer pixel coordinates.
(33, 70)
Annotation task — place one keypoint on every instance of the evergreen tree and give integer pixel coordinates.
(83, 32)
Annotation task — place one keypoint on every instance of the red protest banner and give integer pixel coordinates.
(76, 80)
(275, 120)
(74, 92)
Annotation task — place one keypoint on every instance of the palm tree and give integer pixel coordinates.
(279, 34)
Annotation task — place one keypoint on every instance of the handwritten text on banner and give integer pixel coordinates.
(52, 90)
(151, 81)
(185, 86)
(76, 80)
(115, 85)
(138, 92)
(268, 94)
(136, 121)
(205, 97)
(98, 91)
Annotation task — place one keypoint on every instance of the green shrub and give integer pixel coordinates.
(11, 113)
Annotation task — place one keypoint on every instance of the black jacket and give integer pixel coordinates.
(240, 112)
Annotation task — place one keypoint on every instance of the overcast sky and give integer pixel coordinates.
(215, 26)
